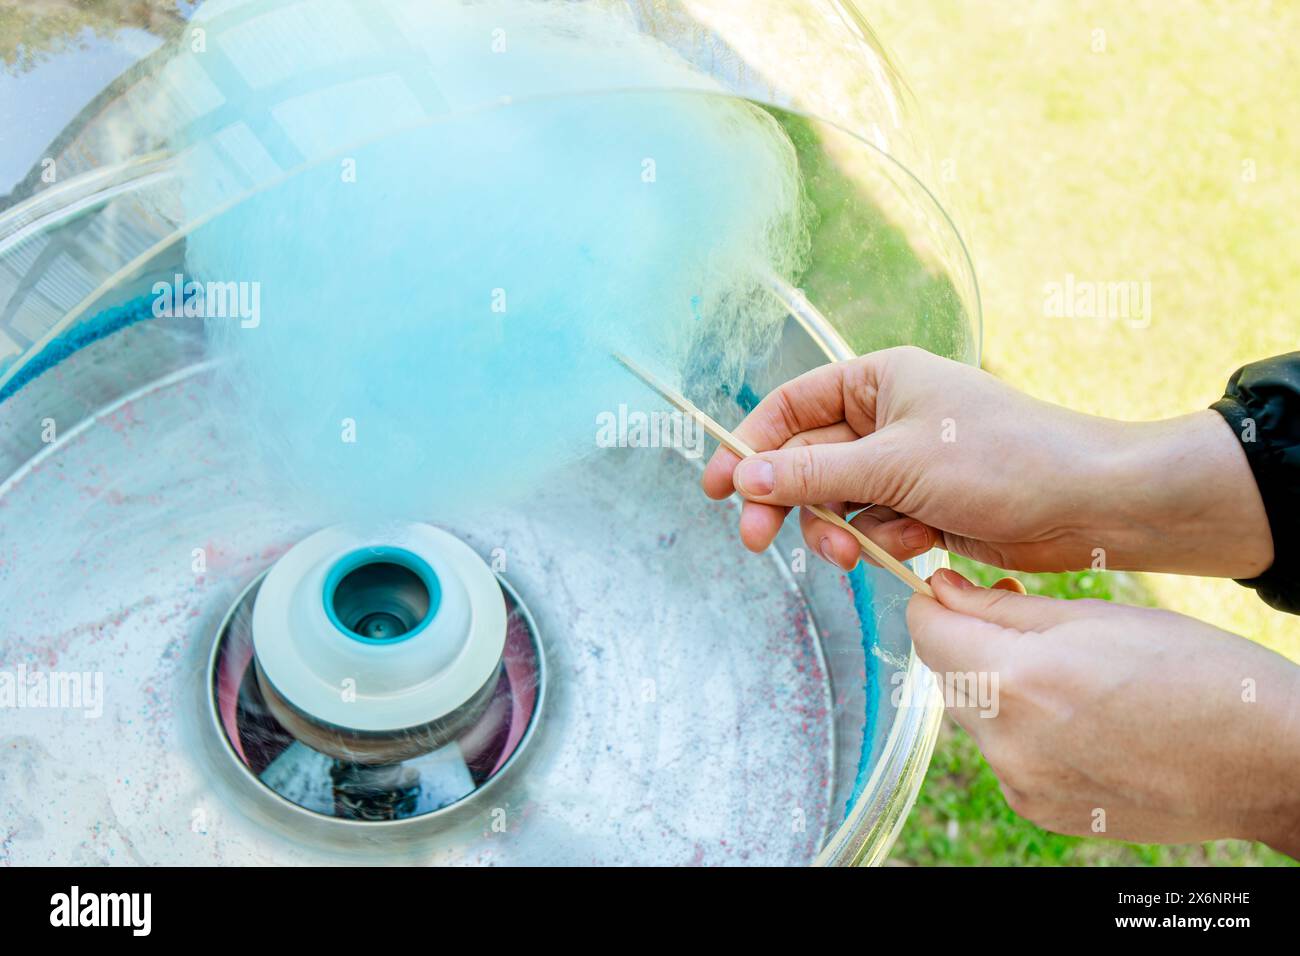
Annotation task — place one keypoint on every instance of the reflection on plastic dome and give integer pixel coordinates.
(321, 265)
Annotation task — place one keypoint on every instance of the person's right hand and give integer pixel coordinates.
(948, 456)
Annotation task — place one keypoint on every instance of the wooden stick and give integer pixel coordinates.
(741, 450)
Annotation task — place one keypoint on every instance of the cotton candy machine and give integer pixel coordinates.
(202, 661)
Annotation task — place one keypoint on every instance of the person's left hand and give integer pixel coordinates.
(1129, 723)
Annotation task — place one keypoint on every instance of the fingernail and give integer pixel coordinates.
(824, 546)
(916, 536)
(755, 477)
(956, 580)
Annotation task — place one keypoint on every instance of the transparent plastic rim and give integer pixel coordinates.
(868, 831)
(29, 217)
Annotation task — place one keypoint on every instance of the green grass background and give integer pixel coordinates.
(1166, 153)
(1167, 156)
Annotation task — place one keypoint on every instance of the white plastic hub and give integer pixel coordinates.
(339, 678)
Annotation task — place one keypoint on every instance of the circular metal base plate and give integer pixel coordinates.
(290, 763)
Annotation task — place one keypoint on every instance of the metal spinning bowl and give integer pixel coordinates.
(646, 723)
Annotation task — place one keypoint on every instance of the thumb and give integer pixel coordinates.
(815, 474)
(1001, 606)
(968, 628)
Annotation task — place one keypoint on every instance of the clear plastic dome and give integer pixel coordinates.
(740, 197)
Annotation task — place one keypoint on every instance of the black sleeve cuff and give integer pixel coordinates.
(1262, 405)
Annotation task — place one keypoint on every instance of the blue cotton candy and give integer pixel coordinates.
(453, 305)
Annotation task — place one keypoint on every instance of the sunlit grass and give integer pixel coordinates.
(1168, 157)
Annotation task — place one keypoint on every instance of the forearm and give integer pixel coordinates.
(1179, 496)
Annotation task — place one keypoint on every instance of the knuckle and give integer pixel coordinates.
(804, 473)
(784, 410)
(905, 353)
(996, 598)
(888, 471)
(904, 358)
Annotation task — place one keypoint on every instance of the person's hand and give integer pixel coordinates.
(950, 457)
(1129, 723)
